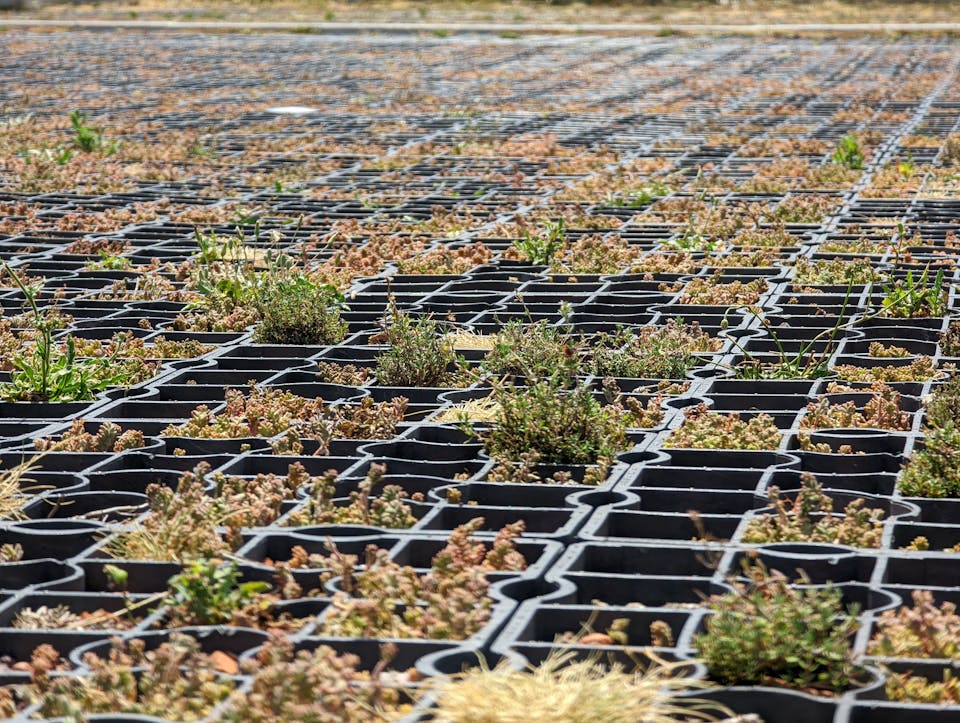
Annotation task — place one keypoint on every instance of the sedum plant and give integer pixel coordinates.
(923, 368)
(108, 438)
(913, 688)
(347, 374)
(882, 411)
(446, 260)
(942, 406)
(594, 254)
(124, 344)
(182, 525)
(950, 340)
(188, 523)
(665, 352)
(769, 632)
(772, 238)
(653, 264)
(879, 351)
(259, 501)
(922, 544)
(711, 291)
(317, 686)
(950, 152)
(387, 509)
(268, 412)
(262, 412)
(922, 630)
(805, 443)
(749, 258)
(616, 634)
(834, 272)
(803, 209)
(704, 429)
(364, 420)
(931, 471)
(175, 681)
(450, 602)
(809, 517)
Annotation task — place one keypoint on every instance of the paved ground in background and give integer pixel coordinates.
(504, 29)
(454, 12)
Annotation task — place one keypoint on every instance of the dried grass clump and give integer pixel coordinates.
(472, 410)
(12, 498)
(462, 339)
(563, 689)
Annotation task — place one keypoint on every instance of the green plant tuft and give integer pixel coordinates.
(540, 250)
(848, 153)
(562, 426)
(769, 632)
(704, 429)
(297, 311)
(419, 353)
